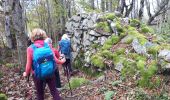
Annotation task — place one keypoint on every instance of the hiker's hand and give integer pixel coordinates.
(24, 74)
(63, 60)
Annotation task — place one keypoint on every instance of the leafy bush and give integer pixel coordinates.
(3, 96)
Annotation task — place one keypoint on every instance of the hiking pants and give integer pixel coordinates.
(67, 67)
(58, 82)
(39, 84)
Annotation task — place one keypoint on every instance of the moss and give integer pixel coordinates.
(122, 34)
(140, 57)
(3, 96)
(142, 39)
(154, 49)
(131, 28)
(77, 82)
(134, 22)
(119, 27)
(120, 51)
(128, 39)
(95, 45)
(110, 16)
(97, 61)
(107, 54)
(104, 26)
(129, 68)
(152, 68)
(109, 42)
(141, 65)
(115, 39)
(106, 47)
(146, 29)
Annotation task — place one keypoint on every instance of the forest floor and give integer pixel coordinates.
(18, 88)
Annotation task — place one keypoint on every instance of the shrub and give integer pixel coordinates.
(134, 22)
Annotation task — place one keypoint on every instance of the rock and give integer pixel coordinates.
(113, 27)
(90, 24)
(94, 33)
(163, 53)
(167, 58)
(119, 66)
(101, 78)
(138, 47)
(75, 18)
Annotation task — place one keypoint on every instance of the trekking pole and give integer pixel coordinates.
(68, 79)
(28, 77)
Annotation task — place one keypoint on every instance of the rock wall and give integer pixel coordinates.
(82, 28)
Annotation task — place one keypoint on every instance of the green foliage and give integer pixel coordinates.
(141, 65)
(95, 45)
(3, 96)
(146, 29)
(154, 49)
(97, 61)
(120, 51)
(142, 39)
(110, 16)
(104, 26)
(119, 27)
(128, 39)
(106, 46)
(129, 68)
(115, 39)
(109, 95)
(134, 22)
(77, 82)
(106, 54)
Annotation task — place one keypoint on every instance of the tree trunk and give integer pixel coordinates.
(141, 9)
(7, 8)
(92, 4)
(103, 5)
(19, 29)
(110, 6)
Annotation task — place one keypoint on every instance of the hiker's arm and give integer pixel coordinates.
(29, 61)
(73, 49)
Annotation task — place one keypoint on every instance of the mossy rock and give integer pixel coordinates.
(106, 47)
(142, 38)
(130, 28)
(154, 49)
(77, 82)
(3, 96)
(141, 65)
(97, 61)
(122, 34)
(127, 39)
(107, 54)
(120, 51)
(141, 57)
(115, 39)
(110, 16)
(109, 41)
(146, 29)
(134, 22)
(129, 68)
(95, 45)
(152, 68)
(119, 27)
(104, 26)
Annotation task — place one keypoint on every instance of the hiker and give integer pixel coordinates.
(41, 64)
(65, 48)
(57, 54)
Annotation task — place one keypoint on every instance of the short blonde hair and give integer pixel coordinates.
(37, 34)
